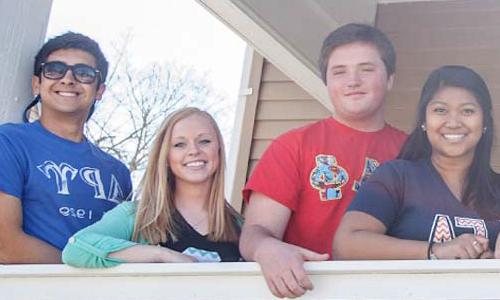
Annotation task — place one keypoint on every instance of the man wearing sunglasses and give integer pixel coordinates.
(53, 181)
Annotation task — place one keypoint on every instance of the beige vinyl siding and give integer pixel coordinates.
(427, 35)
(282, 105)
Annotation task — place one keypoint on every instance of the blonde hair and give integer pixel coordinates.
(154, 220)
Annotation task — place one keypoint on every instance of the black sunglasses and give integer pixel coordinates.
(81, 72)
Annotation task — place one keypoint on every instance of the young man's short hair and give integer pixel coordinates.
(352, 33)
(72, 40)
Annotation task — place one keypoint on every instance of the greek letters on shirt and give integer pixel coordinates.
(328, 177)
(443, 229)
(63, 173)
(369, 167)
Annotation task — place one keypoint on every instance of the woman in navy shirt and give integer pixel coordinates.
(440, 199)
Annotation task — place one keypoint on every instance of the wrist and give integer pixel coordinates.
(431, 255)
(162, 254)
(266, 247)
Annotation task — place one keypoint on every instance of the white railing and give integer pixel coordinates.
(452, 279)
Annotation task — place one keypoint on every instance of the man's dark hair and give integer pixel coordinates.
(352, 33)
(69, 40)
(72, 40)
(481, 190)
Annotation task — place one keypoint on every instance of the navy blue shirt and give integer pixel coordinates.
(414, 203)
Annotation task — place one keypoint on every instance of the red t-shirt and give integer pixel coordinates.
(315, 171)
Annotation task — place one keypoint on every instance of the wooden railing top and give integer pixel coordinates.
(444, 279)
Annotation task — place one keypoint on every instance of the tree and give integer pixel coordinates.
(136, 102)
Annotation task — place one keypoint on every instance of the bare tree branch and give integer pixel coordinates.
(138, 100)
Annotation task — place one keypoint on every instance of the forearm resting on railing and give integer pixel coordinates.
(20, 248)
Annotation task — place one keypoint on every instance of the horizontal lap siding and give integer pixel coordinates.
(282, 106)
(427, 35)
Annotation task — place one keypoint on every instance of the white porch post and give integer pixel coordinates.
(23, 24)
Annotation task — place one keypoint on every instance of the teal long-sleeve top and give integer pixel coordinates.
(90, 247)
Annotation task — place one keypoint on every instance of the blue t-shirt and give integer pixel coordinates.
(63, 186)
(414, 203)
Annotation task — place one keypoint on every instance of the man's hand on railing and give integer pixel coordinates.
(282, 265)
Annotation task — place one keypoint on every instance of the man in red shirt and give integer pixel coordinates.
(307, 177)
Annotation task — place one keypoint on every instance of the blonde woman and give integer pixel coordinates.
(181, 215)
